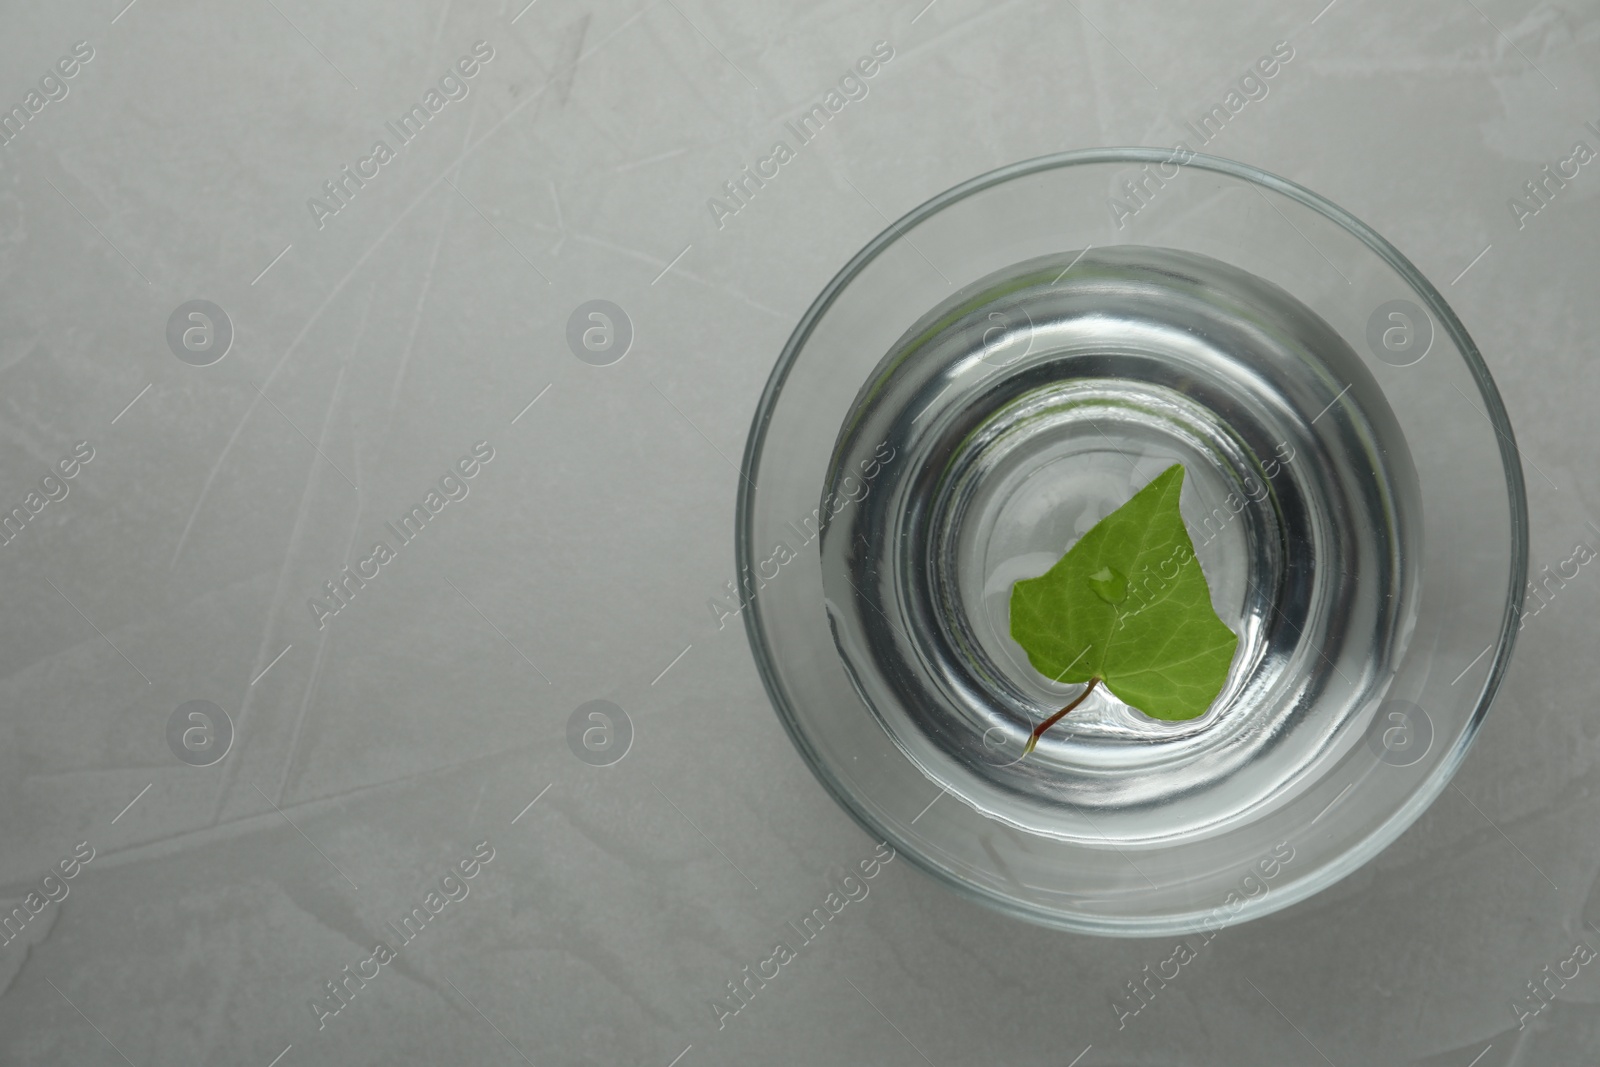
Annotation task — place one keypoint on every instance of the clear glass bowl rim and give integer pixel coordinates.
(1427, 791)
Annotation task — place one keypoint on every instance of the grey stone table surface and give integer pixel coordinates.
(385, 320)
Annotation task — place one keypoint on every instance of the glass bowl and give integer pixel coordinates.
(1007, 364)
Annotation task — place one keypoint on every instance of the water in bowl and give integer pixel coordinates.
(1034, 402)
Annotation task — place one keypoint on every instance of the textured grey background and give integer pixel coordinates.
(425, 716)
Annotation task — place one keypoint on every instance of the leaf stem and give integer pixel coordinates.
(1038, 731)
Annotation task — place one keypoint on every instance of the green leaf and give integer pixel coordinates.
(1129, 606)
